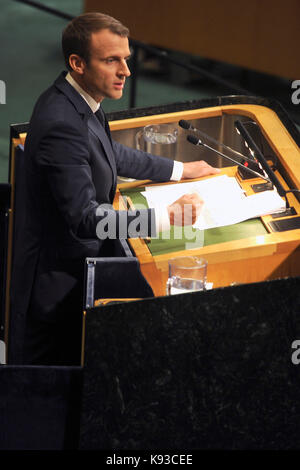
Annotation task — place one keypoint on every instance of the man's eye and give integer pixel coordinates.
(110, 60)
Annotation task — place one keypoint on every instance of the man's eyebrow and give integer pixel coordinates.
(116, 57)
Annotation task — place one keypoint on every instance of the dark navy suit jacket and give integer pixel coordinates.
(71, 166)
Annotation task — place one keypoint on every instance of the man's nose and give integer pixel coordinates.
(124, 69)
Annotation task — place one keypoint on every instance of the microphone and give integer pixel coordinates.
(195, 141)
(251, 162)
(186, 125)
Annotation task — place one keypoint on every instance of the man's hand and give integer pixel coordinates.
(198, 169)
(185, 210)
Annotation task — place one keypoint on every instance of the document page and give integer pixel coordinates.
(225, 202)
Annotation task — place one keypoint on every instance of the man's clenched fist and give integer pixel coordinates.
(185, 210)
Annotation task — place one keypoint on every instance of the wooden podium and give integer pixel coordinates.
(249, 259)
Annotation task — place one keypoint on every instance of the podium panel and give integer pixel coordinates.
(206, 370)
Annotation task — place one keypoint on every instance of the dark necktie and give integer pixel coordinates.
(100, 115)
(103, 121)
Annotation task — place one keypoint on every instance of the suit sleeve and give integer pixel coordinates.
(63, 156)
(141, 165)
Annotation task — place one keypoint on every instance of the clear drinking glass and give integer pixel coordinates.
(186, 274)
(158, 139)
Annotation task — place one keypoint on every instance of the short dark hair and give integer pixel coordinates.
(77, 34)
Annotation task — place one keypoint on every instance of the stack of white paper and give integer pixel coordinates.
(225, 203)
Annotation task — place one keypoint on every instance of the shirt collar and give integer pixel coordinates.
(90, 101)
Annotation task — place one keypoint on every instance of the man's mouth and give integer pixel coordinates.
(119, 85)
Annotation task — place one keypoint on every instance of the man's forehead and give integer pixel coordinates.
(108, 43)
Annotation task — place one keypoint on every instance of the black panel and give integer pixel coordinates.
(285, 224)
(206, 370)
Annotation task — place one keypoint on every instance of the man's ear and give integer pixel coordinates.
(77, 63)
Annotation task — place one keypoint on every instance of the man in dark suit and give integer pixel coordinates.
(71, 167)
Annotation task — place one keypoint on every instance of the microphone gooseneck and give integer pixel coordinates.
(195, 141)
(251, 161)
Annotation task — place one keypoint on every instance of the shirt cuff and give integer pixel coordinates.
(177, 171)
(162, 219)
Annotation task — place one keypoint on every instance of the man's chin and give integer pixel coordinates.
(115, 95)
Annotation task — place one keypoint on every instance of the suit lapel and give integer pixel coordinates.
(95, 126)
(92, 121)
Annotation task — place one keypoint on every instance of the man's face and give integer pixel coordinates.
(105, 75)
